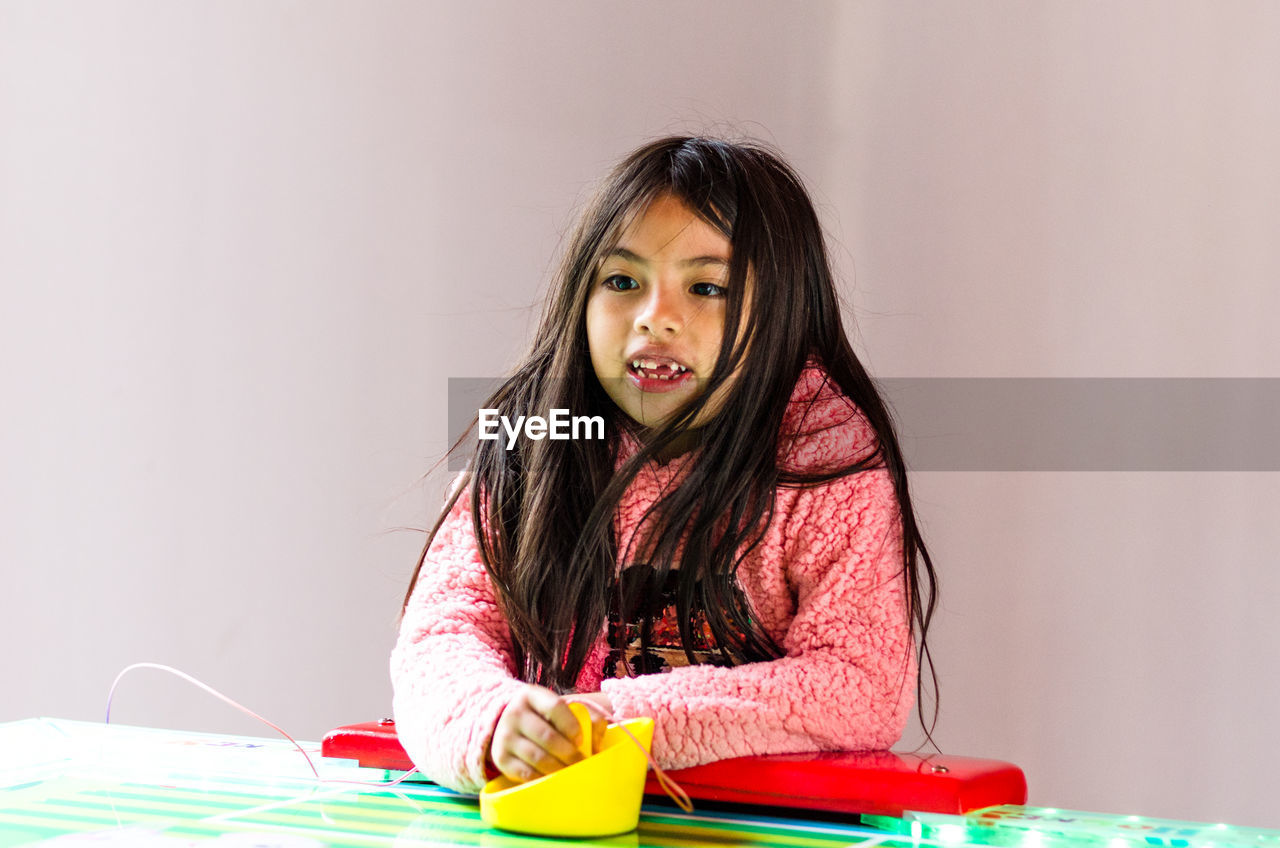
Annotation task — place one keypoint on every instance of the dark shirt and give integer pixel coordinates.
(650, 637)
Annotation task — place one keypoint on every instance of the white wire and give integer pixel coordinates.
(221, 697)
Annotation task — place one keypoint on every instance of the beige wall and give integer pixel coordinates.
(243, 246)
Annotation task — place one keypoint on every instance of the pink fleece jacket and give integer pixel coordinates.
(826, 583)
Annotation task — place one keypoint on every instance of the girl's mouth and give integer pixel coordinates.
(650, 375)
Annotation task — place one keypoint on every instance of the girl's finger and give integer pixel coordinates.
(555, 710)
(534, 728)
(513, 767)
(565, 722)
(530, 755)
(501, 753)
(539, 698)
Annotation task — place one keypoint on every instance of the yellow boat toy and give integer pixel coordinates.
(597, 796)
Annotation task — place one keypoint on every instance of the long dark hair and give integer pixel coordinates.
(544, 510)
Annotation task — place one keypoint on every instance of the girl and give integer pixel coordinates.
(737, 559)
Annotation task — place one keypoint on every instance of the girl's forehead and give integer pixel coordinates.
(666, 228)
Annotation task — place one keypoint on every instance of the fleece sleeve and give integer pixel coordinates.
(847, 680)
(452, 669)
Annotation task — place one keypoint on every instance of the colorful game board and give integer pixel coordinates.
(72, 783)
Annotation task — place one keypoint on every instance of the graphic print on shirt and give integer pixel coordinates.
(651, 634)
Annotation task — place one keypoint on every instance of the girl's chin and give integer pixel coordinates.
(683, 443)
(651, 420)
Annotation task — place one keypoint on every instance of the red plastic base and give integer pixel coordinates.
(373, 744)
(872, 783)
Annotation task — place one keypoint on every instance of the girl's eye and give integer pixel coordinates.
(708, 289)
(620, 282)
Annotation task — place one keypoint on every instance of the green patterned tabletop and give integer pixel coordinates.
(66, 783)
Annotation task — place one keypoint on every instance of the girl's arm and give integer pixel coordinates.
(847, 681)
(452, 668)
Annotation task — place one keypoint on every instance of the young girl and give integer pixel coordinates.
(737, 558)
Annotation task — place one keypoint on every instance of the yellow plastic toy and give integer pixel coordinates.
(598, 796)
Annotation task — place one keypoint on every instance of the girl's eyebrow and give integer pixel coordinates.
(623, 253)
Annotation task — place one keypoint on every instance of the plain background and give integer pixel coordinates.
(243, 246)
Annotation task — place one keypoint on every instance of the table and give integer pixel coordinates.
(80, 783)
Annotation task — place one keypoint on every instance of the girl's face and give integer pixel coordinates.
(655, 314)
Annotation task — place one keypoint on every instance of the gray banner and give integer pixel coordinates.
(1053, 424)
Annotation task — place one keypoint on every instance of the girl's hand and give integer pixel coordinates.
(537, 734)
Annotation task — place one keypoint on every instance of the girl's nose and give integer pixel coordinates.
(660, 315)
